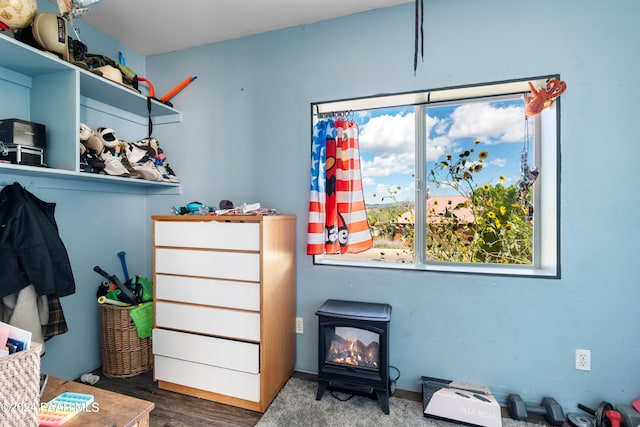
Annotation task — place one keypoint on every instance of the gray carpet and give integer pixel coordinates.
(296, 406)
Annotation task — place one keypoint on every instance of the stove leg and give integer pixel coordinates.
(383, 398)
(322, 386)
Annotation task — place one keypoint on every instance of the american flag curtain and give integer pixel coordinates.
(337, 213)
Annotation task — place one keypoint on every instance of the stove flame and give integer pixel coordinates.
(354, 353)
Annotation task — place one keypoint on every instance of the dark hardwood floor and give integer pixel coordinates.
(175, 409)
(179, 410)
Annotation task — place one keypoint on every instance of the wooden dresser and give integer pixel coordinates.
(224, 306)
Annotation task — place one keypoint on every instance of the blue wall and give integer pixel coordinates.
(245, 137)
(96, 221)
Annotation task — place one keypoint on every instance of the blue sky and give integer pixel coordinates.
(387, 143)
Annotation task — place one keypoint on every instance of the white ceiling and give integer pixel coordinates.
(157, 26)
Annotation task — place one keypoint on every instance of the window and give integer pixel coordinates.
(458, 180)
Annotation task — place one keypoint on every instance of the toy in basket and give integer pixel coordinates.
(135, 290)
(142, 317)
(125, 294)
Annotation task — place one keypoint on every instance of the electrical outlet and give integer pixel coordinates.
(583, 359)
(299, 325)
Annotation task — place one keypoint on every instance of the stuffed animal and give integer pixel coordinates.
(543, 98)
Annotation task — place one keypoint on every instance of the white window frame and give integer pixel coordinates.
(546, 251)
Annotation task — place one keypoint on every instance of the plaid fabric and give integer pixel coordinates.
(57, 324)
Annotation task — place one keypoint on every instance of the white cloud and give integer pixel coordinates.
(388, 134)
(385, 192)
(362, 115)
(440, 126)
(498, 162)
(439, 146)
(381, 190)
(489, 123)
(390, 139)
(387, 165)
(409, 188)
(511, 179)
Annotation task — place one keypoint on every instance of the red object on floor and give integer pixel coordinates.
(614, 416)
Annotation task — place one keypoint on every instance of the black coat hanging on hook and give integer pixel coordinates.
(31, 250)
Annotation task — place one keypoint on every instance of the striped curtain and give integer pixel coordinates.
(337, 213)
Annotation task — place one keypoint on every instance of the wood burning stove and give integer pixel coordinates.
(353, 349)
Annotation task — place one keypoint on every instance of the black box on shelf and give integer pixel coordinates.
(22, 132)
(22, 155)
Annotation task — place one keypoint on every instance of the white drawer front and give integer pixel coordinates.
(208, 320)
(221, 265)
(208, 234)
(221, 293)
(230, 354)
(206, 377)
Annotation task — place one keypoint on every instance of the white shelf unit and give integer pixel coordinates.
(44, 89)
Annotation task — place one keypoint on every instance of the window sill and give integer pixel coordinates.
(491, 270)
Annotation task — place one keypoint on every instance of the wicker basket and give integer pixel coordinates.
(124, 354)
(20, 387)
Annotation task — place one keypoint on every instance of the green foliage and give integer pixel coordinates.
(498, 231)
(490, 226)
(383, 221)
(379, 216)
